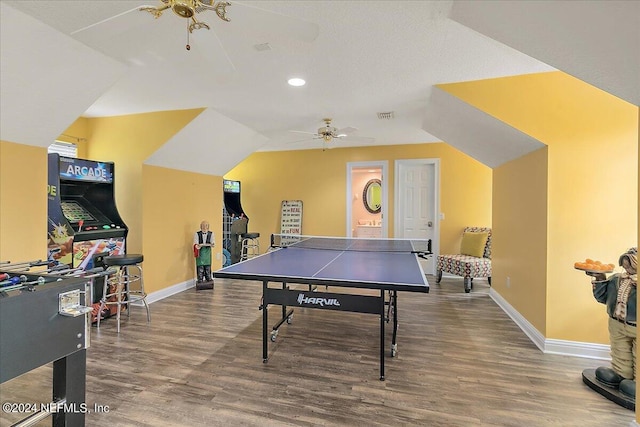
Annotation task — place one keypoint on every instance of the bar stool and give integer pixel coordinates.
(250, 245)
(125, 287)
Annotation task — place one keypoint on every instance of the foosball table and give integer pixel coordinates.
(44, 319)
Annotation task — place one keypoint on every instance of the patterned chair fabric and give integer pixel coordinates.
(465, 265)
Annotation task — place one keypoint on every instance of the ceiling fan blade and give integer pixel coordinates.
(300, 140)
(264, 22)
(126, 20)
(301, 131)
(135, 37)
(347, 130)
(207, 43)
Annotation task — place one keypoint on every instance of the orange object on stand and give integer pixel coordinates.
(594, 266)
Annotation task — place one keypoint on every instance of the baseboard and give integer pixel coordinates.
(578, 349)
(167, 292)
(551, 346)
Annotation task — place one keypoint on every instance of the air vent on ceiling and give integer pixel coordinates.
(386, 116)
(262, 47)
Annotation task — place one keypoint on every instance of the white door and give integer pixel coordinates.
(416, 203)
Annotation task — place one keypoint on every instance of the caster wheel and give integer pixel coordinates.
(289, 319)
(274, 335)
(394, 350)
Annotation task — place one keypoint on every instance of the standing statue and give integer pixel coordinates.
(618, 293)
(203, 241)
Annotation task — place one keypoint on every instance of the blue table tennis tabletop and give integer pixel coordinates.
(360, 263)
(386, 265)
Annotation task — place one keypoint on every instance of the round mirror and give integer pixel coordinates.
(372, 196)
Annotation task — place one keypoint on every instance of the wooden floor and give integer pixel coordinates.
(461, 362)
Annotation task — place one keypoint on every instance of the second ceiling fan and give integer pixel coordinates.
(328, 133)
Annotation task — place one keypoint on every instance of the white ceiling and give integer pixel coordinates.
(595, 41)
(65, 59)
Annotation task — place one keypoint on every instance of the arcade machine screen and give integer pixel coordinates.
(75, 212)
(232, 198)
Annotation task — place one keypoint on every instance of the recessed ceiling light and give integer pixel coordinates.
(296, 81)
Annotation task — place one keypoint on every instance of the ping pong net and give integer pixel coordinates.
(422, 247)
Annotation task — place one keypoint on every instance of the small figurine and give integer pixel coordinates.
(618, 293)
(203, 241)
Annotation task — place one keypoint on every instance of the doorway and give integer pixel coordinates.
(367, 199)
(416, 201)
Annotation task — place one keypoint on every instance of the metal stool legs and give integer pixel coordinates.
(122, 289)
(250, 246)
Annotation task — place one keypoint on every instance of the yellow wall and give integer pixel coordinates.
(128, 141)
(162, 207)
(318, 178)
(519, 248)
(173, 207)
(592, 140)
(23, 202)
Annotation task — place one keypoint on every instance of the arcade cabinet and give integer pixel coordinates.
(83, 218)
(84, 224)
(235, 222)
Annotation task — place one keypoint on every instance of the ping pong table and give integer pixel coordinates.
(385, 265)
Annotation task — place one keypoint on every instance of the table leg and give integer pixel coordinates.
(382, 321)
(284, 307)
(69, 384)
(265, 321)
(394, 307)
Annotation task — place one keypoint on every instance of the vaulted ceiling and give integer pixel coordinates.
(64, 59)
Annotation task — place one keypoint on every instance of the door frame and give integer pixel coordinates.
(379, 164)
(398, 201)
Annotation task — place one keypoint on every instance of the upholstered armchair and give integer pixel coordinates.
(474, 259)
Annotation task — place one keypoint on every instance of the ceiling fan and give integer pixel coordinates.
(328, 133)
(189, 8)
(131, 36)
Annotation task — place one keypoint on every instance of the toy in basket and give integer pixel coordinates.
(203, 241)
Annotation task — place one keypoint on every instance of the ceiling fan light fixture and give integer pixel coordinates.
(188, 9)
(296, 82)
